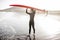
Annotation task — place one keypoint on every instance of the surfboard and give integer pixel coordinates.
(26, 6)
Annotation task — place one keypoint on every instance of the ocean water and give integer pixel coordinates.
(14, 25)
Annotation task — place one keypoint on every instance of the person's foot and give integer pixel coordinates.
(33, 34)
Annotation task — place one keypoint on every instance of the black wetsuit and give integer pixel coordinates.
(31, 22)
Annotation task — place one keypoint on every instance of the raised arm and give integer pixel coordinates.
(27, 11)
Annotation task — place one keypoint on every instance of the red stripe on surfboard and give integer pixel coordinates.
(24, 6)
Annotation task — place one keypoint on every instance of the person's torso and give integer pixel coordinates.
(32, 17)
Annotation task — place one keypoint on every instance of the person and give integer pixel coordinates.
(31, 22)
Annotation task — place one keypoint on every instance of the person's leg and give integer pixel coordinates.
(29, 27)
(33, 27)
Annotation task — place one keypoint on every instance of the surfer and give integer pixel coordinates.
(31, 12)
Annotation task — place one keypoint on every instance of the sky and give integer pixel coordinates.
(41, 4)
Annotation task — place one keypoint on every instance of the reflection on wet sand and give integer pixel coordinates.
(30, 38)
